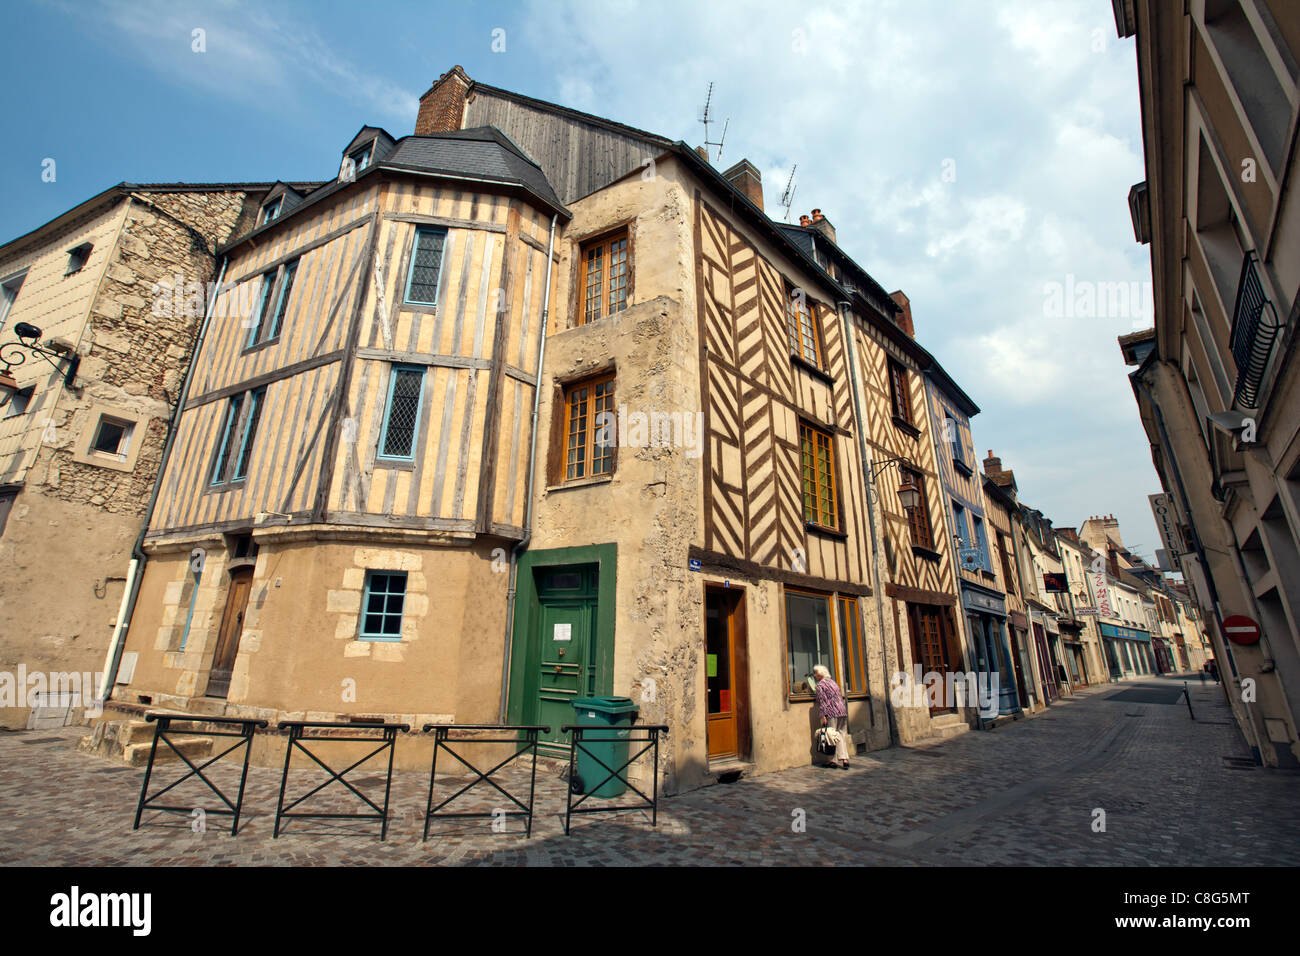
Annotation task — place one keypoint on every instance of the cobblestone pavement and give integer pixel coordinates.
(1026, 793)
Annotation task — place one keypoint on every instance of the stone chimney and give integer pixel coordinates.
(822, 225)
(746, 177)
(904, 321)
(442, 108)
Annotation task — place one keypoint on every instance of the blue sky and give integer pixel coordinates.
(973, 154)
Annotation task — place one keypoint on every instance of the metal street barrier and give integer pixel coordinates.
(163, 733)
(527, 744)
(582, 736)
(387, 738)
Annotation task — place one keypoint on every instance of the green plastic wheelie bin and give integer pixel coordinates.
(606, 713)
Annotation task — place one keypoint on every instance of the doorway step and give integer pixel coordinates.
(129, 739)
(946, 726)
(729, 769)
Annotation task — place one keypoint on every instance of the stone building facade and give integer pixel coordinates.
(78, 456)
(1216, 381)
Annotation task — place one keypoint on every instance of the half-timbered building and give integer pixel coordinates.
(532, 405)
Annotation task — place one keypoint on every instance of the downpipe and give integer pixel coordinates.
(870, 489)
(522, 543)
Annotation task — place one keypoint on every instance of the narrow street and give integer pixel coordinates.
(1172, 790)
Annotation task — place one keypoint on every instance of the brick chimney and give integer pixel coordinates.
(822, 225)
(904, 321)
(442, 108)
(746, 177)
(703, 153)
(992, 465)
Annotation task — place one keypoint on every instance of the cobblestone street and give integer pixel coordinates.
(1023, 794)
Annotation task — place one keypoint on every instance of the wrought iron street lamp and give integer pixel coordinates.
(908, 494)
(13, 354)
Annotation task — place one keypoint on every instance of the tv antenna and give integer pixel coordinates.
(706, 117)
(787, 197)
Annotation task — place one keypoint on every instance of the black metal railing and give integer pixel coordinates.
(163, 733)
(338, 732)
(1252, 334)
(523, 736)
(647, 734)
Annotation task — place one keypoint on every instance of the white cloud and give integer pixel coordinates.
(1037, 105)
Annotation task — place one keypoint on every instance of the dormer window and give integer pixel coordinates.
(77, 257)
(271, 210)
(361, 158)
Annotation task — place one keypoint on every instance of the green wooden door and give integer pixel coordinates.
(561, 657)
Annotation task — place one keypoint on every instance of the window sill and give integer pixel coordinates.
(904, 425)
(378, 640)
(425, 308)
(988, 575)
(395, 464)
(581, 483)
(800, 362)
(822, 529)
(962, 467)
(258, 346)
(221, 489)
(926, 553)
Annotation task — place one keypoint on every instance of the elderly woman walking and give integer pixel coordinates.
(830, 703)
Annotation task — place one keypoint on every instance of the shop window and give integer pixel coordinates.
(809, 639)
(853, 650)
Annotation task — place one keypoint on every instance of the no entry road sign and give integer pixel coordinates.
(1240, 629)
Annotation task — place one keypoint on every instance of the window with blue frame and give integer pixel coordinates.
(238, 431)
(361, 158)
(282, 299)
(382, 606)
(982, 543)
(959, 522)
(426, 266)
(402, 413)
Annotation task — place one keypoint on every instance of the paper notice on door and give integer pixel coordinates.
(563, 632)
(711, 662)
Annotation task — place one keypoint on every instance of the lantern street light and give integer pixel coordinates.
(908, 494)
(13, 354)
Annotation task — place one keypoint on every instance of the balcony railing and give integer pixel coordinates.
(1253, 334)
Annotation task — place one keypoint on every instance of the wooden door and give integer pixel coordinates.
(232, 627)
(725, 673)
(563, 647)
(929, 645)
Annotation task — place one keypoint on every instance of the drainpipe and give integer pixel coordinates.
(135, 575)
(528, 503)
(871, 514)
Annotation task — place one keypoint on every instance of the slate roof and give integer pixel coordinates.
(481, 154)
